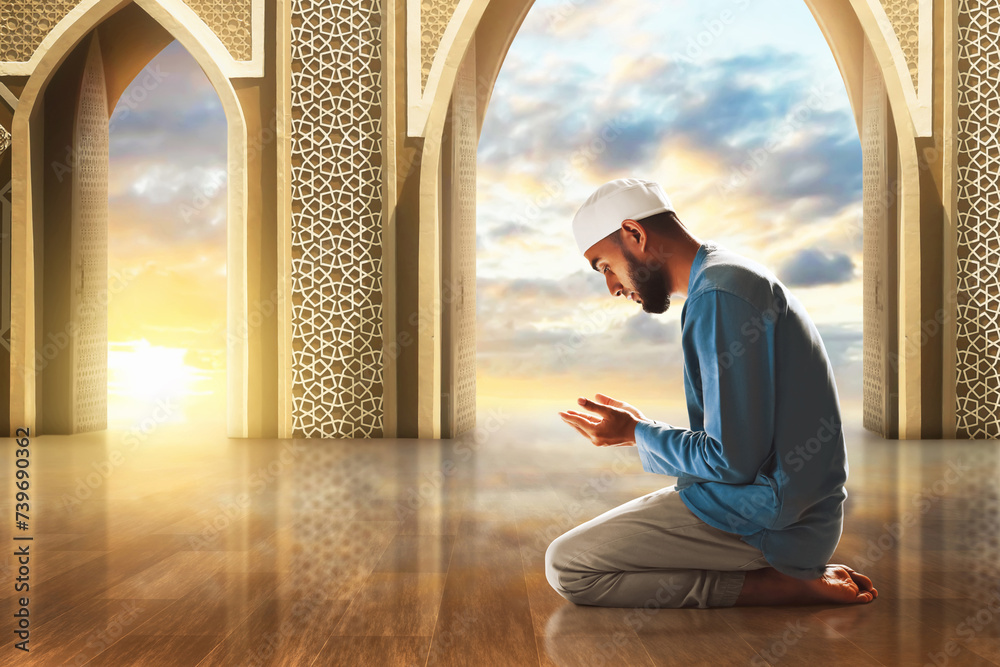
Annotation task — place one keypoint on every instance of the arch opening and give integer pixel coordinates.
(167, 249)
(747, 127)
(49, 385)
(483, 34)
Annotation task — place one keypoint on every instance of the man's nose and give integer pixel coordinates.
(614, 287)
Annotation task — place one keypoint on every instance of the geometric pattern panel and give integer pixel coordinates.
(90, 250)
(231, 20)
(25, 23)
(905, 18)
(873, 151)
(466, 133)
(434, 18)
(336, 281)
(978, 221)
(4, 139)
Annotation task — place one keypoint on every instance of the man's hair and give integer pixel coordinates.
(665, 223)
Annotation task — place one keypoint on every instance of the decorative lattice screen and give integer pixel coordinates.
(434, 18)
(231, 20)
(978, 364)
(90, 250)
(876, 184)
(466, 142)
(25, 23)
(336, 219)
(905, 18)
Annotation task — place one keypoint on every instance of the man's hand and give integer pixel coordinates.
(634, 411)
(615, 427)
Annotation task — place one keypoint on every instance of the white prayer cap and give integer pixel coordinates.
(613, 203)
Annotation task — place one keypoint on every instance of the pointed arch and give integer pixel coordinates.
(427, 111)
(181, 23)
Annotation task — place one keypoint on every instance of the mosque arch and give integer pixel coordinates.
(151, 25)
(864, 47)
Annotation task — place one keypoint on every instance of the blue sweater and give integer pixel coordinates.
(765, 455)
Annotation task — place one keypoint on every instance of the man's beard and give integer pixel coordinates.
(653, 291)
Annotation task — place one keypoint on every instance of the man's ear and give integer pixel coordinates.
(634, 229)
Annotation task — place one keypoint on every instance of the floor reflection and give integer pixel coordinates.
(187, 548)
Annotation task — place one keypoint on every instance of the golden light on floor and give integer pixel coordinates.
(179, 546)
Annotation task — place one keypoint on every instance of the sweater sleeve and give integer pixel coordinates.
(734, 349)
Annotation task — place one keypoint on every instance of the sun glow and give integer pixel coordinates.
(144, 377)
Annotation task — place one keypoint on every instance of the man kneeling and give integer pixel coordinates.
(757, 509)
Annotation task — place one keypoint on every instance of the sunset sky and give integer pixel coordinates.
(167, 246)
(735, 106)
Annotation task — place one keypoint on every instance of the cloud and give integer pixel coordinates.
(761, 116)
(811, 267)
(844, 343)
(644, 327)
(824, 166)
(510, 230)
(585, 283)
(573, 290)
(535, 288)
(586, 95)
(533, 327)
(165, 217)
(733, 102)
(168, 171)
(166, 183)
(169, 111)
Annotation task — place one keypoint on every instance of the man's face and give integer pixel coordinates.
(627, 276)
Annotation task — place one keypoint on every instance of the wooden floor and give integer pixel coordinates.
(186, 548)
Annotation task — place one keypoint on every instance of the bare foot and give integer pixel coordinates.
(838, 585)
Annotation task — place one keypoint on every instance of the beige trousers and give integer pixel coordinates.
(651, 552)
